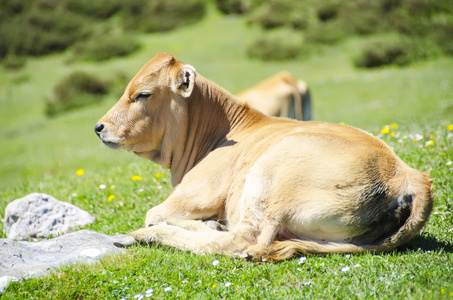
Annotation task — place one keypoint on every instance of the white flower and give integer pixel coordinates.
(167, 289)
(139, 296)
(102, 186)
(141, 190)
(74, 195)
(302, 260)
(227, 284)
(448, 163)
(357, 266)
(345, 269)
(215, 263)
(149, 292)
(418, 137)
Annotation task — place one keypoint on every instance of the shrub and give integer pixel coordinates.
(273, 48)
(328, 10)
(232, 6)
(382, 53)
(361, 17)
(40, 32)
(279, 13)
(162, 15)
(74, 91)
(100, 9)
(14, 62)
(39, 27)
(106, 47)
(442, 35)
(325, 33)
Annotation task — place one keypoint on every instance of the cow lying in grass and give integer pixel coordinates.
(281, 186)
(280, 95)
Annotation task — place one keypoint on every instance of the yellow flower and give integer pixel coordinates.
(80, 172)
(112, 187)
(429, 143)
(385, 130)
(214, 286)
(159, 175)
(392, 134)
(442, 291)
(111, 197)
(450, 127)
(394, 126)
(342, 123)
(136, 178)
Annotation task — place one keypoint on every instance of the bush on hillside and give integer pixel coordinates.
(162, 15)
(279, 13)
(382, 53)
(328, 34)
(273, 48)
(105, 47)
(229, 7)
(40, 32)
(39, 27)
(77, 90)
(98, 9)
(328, 10)
(361, 17)
(13, 62)
(443, 36)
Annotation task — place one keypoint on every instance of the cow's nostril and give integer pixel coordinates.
(98, 128)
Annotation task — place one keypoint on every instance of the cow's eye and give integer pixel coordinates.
(142, 96)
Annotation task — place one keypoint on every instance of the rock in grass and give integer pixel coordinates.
(39, 216)
(21, 259)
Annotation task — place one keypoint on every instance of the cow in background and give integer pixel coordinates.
(280, 95)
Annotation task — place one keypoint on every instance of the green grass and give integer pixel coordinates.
(38, 154)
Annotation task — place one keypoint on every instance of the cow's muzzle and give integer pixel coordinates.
(109, 142)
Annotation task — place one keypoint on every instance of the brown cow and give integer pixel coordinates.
(280, 95)
(280, 186)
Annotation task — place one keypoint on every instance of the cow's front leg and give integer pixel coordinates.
(180, 205)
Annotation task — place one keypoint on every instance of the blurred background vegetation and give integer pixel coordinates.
(65, 62)
(101, 29)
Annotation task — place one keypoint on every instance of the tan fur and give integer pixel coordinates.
(273, 95)
(282, 187)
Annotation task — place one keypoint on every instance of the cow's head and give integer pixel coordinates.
(151, 110)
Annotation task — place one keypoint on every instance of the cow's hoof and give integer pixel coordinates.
(124, 241)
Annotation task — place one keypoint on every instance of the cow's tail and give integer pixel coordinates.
(415, 202)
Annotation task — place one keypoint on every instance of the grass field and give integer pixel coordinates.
(42, 155)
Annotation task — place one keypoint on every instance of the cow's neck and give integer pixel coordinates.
(214, 118)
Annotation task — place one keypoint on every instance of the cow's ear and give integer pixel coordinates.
(185, 80)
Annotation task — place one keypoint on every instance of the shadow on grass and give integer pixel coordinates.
(427, 242)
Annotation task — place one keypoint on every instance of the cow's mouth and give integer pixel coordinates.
(112, 145)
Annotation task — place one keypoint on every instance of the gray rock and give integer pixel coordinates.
(5, 281)
(20, 259)
(40, 215)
